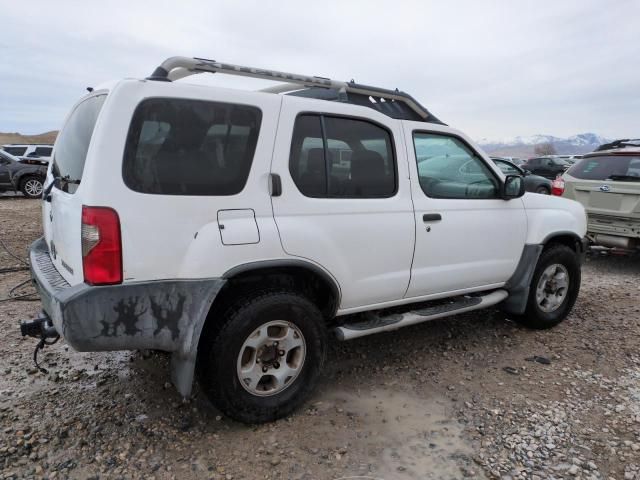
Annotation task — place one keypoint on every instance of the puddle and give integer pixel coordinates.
(408, 437)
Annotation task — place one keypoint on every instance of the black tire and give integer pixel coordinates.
(221, 345)
(543, 191)
(26, 186)
(534, 316)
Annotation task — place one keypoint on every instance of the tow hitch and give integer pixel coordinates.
(43, 329)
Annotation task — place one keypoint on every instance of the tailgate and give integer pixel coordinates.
(62, 211)
(607, 197)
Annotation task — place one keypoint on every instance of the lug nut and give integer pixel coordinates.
(281, 353)
(264, 369)
(276, 365)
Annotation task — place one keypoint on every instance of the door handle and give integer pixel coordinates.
(275, 185)
(431, 217)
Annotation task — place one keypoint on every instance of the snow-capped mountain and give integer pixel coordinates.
(524, 146)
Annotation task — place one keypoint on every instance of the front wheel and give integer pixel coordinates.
(31, 187)
(266, 357)
(554, 288)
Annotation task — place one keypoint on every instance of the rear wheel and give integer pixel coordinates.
(265, 359)
(543, 191)
(31, 187)
(554, 288)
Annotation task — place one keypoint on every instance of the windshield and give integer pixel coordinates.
(610, 167)
(73, 143)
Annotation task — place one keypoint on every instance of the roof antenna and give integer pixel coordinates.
(89, 89)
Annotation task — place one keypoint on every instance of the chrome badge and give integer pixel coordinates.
(605, 188)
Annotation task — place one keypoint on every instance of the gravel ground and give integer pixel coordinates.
(449, 399)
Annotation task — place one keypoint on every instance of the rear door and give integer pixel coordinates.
(346, 200)
(62, 215)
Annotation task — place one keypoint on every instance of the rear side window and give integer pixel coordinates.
(610, 167)
(336, 157)
(73, 143)
(190, 147)
(43, 151)
(15, 151)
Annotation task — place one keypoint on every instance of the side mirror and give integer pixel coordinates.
(513, 187)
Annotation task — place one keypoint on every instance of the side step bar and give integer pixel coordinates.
(374, 323)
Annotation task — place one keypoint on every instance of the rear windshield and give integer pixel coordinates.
(610, 167)
(73, 143)
(190, 147)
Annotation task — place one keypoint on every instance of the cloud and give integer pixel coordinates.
(492, 69)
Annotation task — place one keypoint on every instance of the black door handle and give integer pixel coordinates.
(275, 185)
(431, 217)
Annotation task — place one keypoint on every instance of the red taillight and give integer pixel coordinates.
(101, 246)
(557, 187)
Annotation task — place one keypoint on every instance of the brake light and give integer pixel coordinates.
(557, 187)
(101, 246)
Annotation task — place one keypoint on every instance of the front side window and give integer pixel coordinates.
(448, 168)
(609, 167)
(336, 157)
(190, 147)
(507, 168)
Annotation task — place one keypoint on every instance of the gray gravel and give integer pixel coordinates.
(455, 398)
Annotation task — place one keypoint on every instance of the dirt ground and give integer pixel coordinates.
(434, 401)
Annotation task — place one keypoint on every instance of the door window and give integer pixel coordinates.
(448, 168)
(15, 151)
(507, 168)
(336, 157)
(190, 147)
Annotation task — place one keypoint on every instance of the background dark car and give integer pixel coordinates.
(548, 167)
(532, 183)
(18, 176)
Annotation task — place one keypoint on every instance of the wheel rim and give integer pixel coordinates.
(543, 191)
(33, 187)
(271, 358)
(552, 287)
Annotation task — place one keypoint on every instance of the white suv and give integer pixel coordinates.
(31, 153)
(236, 229)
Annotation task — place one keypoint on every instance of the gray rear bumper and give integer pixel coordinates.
(161, 315)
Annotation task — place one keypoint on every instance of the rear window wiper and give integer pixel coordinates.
(624, 178)
(57, 179)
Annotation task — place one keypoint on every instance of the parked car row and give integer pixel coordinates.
(35, 154)
(532, 183)
(19, 176)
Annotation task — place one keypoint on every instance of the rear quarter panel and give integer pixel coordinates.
(176, 236)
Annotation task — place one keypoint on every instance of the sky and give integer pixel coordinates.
(493, 69)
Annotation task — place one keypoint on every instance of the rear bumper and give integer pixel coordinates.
(611, 225)
(163, 315)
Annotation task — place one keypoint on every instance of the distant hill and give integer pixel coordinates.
(47, 137)
(524, 146)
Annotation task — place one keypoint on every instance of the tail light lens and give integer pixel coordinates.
(101, 246)
(557, 187)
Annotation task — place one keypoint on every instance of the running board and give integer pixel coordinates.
(373, 323)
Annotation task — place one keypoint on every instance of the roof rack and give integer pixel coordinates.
(624, 142)
(393, 103)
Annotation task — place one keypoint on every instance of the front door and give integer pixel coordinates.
(467, 237)
(346, 202)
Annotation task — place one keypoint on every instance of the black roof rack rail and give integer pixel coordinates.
(624, 142)
(393, 103)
